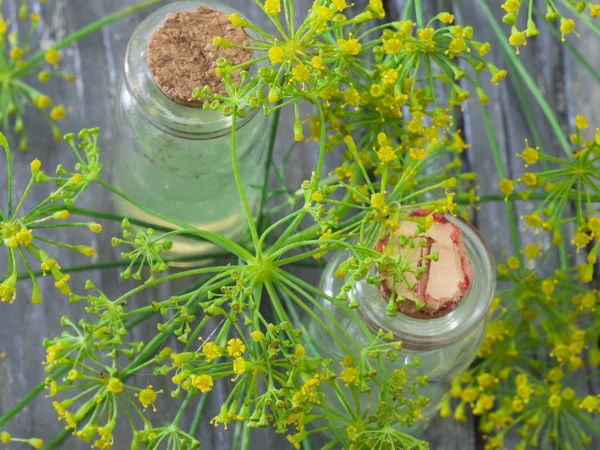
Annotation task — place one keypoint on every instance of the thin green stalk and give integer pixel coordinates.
(198, 415)
(226, 244)
(271, 148)
(419, 12)
(240, 186)
(534, 196)
(9, 172)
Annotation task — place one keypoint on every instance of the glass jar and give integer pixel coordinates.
(445, 346)
(176, 159)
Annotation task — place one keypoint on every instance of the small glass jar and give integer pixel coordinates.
(176, 159)
(446, 346)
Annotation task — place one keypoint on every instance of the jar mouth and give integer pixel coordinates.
(160, 110)
(432, 333)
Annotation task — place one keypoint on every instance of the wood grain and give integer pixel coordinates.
(97, 62)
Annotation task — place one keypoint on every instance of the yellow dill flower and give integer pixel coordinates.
(530, 155)
(446, 17)
(24, 237)
(44, 77)
(376, 90)
(276, 55)
(323, 12)
(317, 62)
(257, 335)
(417, 153)
(548, 286)
(386, 154)
(507, 187)
(340, 5)
(58, 112)
(301, 72)
(235, 347)
(8, 291)
(595, 11)
(237, 21)
(532, 251)
(352, 97)
(272, 6)
(568, 394)
(589, 403)
(239, 366)
(484, 49)
(486, 380)
(95, 227)
(5, 437)
(115, 386)
(415, 126)
(518, 38)
(534, 220)
(389, 76)
(317, 197)
(511, 6)
(567, 26)
(499, 76)
(531, 179)
(581, 122)
(43, 101)
(351, 46)
(148, 396)
(52, 56)
(457, 45)
(349, 375)
(378, 203)
(555, 374)
(469, 395)
(513, 263)
(16, 53)
(426, 34)
(594, 224)
(377, 7)
(211, 351)
(204, 383)
(392, 46)
(554, 401)
(581, 239)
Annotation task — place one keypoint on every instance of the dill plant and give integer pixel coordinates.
(377, 92)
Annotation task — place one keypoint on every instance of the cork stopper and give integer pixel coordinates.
(182, 57)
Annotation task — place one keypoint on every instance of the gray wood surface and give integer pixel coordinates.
(97, 61)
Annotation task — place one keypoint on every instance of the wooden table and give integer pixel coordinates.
(97, 61)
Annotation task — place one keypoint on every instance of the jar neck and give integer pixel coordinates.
(435, 333)
(158, 109)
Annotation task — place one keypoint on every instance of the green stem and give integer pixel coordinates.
(9, 174)
(240, 186)
(419, 12)
(198, 415)
(271, 148)
(534, 196)
(227, 244)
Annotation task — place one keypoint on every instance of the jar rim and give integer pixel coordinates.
(158, 109)
(430, 334)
